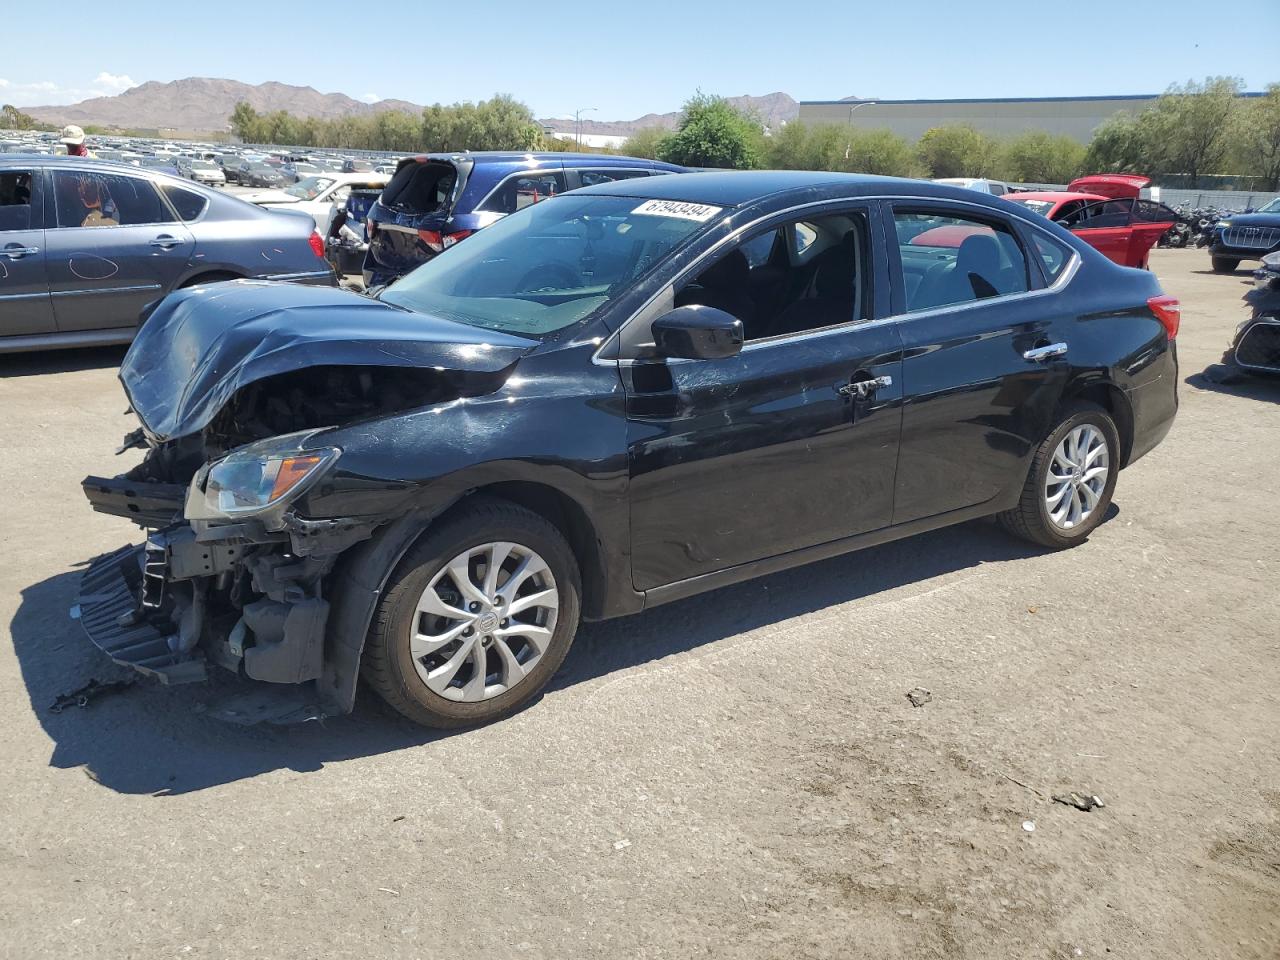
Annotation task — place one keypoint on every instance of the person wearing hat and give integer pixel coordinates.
(73, 140)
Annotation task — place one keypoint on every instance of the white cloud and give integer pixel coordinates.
(113, 83)
(370, 98)
(3, 83)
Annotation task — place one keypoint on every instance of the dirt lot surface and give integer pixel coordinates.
(738, 775)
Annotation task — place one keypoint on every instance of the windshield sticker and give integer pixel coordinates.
(698, 212)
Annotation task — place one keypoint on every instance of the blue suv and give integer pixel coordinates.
(437, 199)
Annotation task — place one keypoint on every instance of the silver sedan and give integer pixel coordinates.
(86, 245)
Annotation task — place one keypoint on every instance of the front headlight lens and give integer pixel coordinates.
(1222, 224)
(248, 482)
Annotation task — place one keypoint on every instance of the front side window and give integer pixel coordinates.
(818, 278)
(948, 259)
(85, 199)
(15, 200)
(551, 265)
(524, 190)
(1105, 213)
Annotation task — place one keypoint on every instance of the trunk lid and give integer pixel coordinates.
(1117, 186)
(203, 345)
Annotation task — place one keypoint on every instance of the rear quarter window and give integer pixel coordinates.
(1053, 256)
(189, 204)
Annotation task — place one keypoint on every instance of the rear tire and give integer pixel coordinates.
(1225, 264)
(404, 659)
(1061, 484)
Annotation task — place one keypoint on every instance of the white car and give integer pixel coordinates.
(317, 194)
(997, 188)
(206, 172)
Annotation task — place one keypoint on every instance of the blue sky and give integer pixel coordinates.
(626, 59)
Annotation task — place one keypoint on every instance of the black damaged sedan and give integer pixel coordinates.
(621, 396)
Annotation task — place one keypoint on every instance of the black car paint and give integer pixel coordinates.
(1269, 222)
(1255, 348)
(672, 477)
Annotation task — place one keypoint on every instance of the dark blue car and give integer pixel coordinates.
(436, 199)
(1245, 236)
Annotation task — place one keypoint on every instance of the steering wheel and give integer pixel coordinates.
(547, 277)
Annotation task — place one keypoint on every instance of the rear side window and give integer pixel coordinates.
(15, 200)
(591, 177)
(188, 203)
(524, 190)
(421, 188)
(1054, 256)
(949, 259)
(86, 199)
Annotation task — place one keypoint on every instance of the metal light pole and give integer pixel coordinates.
(577, 122)
(864, 103)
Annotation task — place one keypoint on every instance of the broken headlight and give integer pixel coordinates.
(254, 479)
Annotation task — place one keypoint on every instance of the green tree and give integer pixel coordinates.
(881, 152)
(646, 142)
(1040, 157)
(957, 150)
(1117, 147)
(1256, 138)
(1186, 130)
(712, 133)
(244, 120)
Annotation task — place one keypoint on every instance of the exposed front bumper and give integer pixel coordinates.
(110, 610)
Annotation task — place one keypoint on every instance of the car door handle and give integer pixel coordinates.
(165, 241)
(15, 252)
(1046, 352)
(861, 389)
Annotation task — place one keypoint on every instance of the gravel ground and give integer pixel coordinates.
(735, 775)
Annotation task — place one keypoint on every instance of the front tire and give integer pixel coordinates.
(1071, 481)
(1225, 264)
(476, 618)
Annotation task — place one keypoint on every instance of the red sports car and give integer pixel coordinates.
(1105, 211)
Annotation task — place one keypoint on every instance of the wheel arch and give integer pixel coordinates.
(361, 574)
(1110, 398)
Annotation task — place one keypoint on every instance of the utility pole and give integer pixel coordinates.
(864, 103)
(577, 123)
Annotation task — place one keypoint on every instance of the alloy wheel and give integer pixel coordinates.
(484, 621)
(1077, 477)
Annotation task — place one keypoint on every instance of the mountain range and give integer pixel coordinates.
(205, 104)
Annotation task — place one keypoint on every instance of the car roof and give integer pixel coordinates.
(513, 157)
(733, 188)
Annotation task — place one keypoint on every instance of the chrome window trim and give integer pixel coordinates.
(1063, 278)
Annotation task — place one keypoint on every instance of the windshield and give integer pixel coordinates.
(308, 188)
(551, 264)
(202, 165)
(1272, 207)
(1041, 207)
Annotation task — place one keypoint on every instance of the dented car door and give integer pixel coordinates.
(115, 246)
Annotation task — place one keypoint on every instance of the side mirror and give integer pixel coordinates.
(698, 332)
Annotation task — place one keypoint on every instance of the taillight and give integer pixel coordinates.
(437, 241)
(1168, 311)
(317, 245)
(432, 239)
(370, 228)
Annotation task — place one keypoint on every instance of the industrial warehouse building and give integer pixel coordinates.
(1076, 117)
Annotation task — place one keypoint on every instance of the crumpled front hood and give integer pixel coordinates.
(202, 345)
